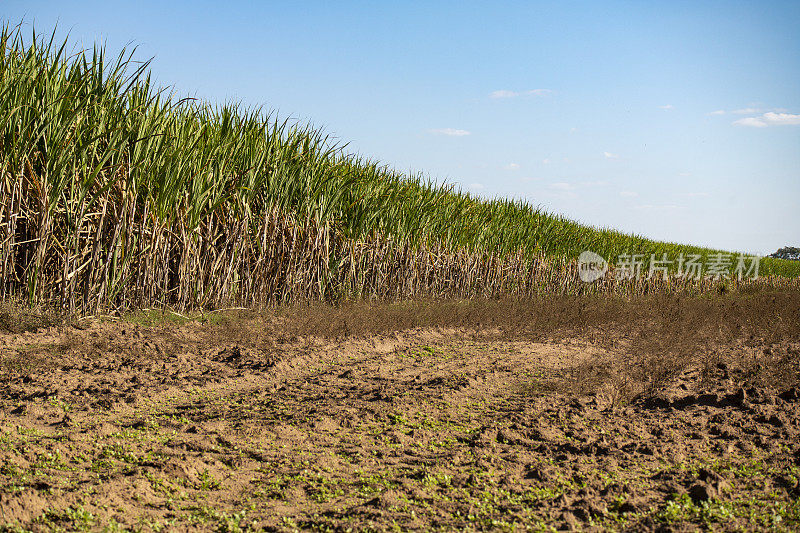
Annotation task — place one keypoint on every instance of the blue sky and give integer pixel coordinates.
(675, 120)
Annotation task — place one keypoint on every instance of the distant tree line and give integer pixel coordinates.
(787, 252)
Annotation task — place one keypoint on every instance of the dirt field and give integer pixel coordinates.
(668, 414)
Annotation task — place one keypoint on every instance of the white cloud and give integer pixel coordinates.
(781, 118)
(609, 155)
(684, 174)
(512, 166)
(593, 183)
(668, 106)
(504, 93)
(451, 132)
(475, 186)
(751, 111)
(754, 122)
(562, 186)
(546, 161)
(697, 194)
(769, 119)
(629, 194)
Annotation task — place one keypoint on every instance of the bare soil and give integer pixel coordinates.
(653, 414)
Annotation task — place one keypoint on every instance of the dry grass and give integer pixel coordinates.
(656, 337)
(656, 322)
(19, 318)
